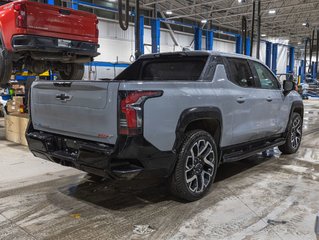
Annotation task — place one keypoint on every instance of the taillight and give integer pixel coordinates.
(21, 20)
(131, 110)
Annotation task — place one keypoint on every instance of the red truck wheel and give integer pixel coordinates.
(72, 71)
(5, 68)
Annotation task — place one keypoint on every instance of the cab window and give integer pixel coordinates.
(240, 72)
(266, 79)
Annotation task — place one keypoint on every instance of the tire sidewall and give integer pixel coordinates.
(195, 136)
(287, 147)
(77, 72)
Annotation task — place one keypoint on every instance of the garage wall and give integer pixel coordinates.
(116, 44)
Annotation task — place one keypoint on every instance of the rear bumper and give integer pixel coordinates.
(128, 159)
(22, 43)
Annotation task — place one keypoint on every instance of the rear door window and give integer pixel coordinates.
(240, 72)
(186, 68)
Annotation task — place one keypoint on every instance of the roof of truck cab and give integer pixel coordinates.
(198, 53)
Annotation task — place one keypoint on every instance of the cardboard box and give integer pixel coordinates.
(18, 100)
(13, 106)
(16, 125)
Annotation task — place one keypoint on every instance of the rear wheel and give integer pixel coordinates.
(294, 135)
(5, 68)
(72, 71)
(196, 166)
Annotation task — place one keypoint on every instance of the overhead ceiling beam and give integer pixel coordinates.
(269, 17)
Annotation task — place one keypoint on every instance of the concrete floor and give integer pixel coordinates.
(263, 197)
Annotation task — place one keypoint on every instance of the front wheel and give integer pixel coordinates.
(294, 135)
(196, 166)
(72, 71)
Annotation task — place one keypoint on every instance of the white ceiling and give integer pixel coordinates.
(285, 23)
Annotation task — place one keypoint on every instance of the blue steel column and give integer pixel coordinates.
(239, 44)
(291, 59)
(247, 46)
(51, 2)
(141, 33)
(156, 35)
(313, 69)
(268, 53)
(274, 58)
(301, 71)
(209, 40)
(75, 4)
(315, 72)
(198, 38)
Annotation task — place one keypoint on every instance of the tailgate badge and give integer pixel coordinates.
(63, 97)
(103, 135)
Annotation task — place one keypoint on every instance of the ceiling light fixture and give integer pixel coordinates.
(169, 12)
(272, 11)
(263, 35)
(304, 24)
(203, 21)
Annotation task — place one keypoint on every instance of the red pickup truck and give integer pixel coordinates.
(38, 37)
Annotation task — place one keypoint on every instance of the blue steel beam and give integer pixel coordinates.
(313, 69)
(51, 2)
(274, 58)
(75, 4)
(141, 33)
(164, 20)
(156, 35)
(268, 53)
(198, 38)
(209, 40)
(95, 6)
(315, 73)
(301, 71)
(291, 59)
(239, 44)
(247, 46)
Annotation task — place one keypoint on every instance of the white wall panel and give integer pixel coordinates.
(118, 45)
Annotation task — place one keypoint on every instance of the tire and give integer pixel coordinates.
(294, 135)
(193, 175)
(72, 71)
(5, 68)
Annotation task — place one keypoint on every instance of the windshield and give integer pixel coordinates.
(186, 68)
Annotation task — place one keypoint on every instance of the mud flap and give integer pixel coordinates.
(5, 67)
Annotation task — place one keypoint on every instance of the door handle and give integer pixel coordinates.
(269, 99)
(241, 100)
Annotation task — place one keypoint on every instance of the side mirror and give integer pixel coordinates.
(288, 86)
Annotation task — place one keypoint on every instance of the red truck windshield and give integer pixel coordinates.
(187, 68)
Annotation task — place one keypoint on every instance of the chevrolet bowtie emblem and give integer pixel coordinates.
(63, 97)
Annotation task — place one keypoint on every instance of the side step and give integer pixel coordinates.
(242, 154)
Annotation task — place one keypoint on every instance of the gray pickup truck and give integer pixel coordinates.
(175, 115)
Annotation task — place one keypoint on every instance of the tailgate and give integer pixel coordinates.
(80, 109)
(60, 20)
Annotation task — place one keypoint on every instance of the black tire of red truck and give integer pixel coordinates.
(5, 67)
(72, 71)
